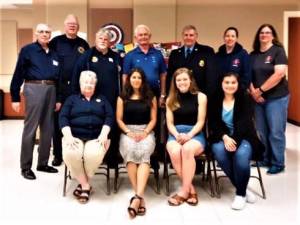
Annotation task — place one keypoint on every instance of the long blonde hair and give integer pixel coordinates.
(173, 97)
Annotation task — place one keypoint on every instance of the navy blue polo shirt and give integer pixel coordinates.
(33, 64)
(152, 63)
(107, 69)
(68, 50)
(86, 118)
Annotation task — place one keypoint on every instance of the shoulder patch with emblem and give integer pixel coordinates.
(80, 50)
(94, 59)
(201, 63)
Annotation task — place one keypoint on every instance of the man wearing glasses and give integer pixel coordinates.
(69, 48)
(38, 67)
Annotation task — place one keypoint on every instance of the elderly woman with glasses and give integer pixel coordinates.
(85, 120)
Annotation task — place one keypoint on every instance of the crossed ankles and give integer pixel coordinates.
(135, 208)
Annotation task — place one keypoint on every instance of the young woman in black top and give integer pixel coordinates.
(136, 117)
(186, 111)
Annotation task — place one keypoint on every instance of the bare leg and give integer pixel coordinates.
(132, 173)
(189, 151)
(142, 178)
(174, 150)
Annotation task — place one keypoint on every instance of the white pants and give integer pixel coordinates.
(84, 159)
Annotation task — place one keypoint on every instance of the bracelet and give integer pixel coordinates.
(162, 96)
(261, 90)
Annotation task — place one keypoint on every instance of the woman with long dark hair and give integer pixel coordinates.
(136, 116)
(233, 136)
(269, 89)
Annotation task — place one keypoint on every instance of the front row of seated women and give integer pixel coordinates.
(86, 119)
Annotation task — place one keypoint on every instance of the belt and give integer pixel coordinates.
(48, 82)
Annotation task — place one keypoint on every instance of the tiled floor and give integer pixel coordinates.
(41, 202)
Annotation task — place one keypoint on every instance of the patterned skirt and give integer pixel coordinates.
(137, 152)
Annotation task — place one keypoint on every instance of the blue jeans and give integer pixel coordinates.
(270, 119)
(236, 165)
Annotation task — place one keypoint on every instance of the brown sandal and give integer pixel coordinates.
(142, 209)
(77, 191)
(84, 196)
(192, 199)
(179, 199)
(133, 212)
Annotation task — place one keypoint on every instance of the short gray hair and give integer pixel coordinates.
(104, 31)
(136, 30)
(42, 26)
(87, 74)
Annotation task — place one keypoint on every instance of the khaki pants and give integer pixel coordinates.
(85, 159)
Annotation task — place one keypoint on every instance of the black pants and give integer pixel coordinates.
(57, 136)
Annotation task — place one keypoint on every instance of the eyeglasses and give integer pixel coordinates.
(72, 24)
(43, 31)
(266, 32)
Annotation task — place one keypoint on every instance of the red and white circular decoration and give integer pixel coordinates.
(116, 31)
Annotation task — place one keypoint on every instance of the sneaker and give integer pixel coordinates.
(250, 197)
(238, 203)
(275, 169)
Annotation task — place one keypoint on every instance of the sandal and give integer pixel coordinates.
(133, 212)
(77, 191)
(179, 199)
(142, 209)
(84, 196)
(192, 199)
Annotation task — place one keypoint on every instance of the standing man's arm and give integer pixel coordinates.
(17, 81)
(162, 99)
(162, 78)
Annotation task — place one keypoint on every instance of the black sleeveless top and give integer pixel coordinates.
(136, 112)
(187, 113)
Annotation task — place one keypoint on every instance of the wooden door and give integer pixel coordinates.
(294, 70)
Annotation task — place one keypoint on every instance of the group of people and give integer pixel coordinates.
(78, 96)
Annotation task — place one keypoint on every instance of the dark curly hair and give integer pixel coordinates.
(145, 92)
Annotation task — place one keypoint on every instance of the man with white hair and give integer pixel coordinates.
(38, 67)
(69, 48)
(150, 60)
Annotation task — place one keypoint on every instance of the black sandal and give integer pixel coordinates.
(77, 191)
(84, 196)
(133, 212)
(142, 208)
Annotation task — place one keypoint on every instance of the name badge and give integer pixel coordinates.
(111, 60)
(54, 62)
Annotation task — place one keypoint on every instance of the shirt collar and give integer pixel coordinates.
(191, 48)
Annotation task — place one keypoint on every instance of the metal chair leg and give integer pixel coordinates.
(260, 181)
(108, 181)
(65, 181)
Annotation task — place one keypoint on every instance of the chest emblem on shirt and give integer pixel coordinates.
(54, 62)
(111, 60)
(94, 59)
(201, 63)
(98, 100)
(268, 59)
(236, 63)
(80, 50)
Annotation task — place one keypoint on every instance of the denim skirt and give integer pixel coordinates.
(185, 129)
